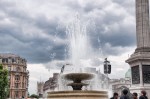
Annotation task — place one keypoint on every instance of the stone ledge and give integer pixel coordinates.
(78, 95)
(142, 49)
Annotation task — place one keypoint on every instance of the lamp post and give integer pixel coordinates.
(107, 69)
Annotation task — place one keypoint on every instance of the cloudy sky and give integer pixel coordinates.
(36, 30)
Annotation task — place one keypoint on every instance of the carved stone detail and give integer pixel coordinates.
(146, 74)
(135, 75)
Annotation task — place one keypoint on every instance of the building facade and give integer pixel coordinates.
(40, 86)
(51, 84)
(117, 85)
(18, 75)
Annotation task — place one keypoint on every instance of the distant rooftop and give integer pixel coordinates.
(6, 55)
(128, 74)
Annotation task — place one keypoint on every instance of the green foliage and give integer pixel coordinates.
(1, 66)
(3, 82)
(34, 96)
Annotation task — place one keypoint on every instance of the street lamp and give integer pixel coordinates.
(107, 69)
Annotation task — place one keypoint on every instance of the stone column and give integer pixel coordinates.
(142, 23)
(141, 56)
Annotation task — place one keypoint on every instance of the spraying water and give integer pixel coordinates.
(79, 45)
(80, 52)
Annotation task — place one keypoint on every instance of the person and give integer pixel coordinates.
(135, 95)
(143, 95)
(125, 96)
(115, 96)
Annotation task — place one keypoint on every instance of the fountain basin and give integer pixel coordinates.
(78, 77)
(78, 94)
(77, 86)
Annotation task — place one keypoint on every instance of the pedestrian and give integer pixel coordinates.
(125, 96)
(135, 95)
(115, 96)
(143, 95)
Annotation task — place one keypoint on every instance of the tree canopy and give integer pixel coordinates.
(3, 82)
(34, 96)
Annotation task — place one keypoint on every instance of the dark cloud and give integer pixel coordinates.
(122, 36)
(40, 38)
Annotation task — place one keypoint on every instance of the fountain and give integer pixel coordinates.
(77, 78)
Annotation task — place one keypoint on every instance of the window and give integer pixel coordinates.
(16, 94)
(13, 60)
(24, 69)
(22, 61)
(6, 60)
(9, 68)
(18, 69)
(23, 93)
(16, 85)
(9, 60)
(3, 60)
(17, 77)
(22, 85)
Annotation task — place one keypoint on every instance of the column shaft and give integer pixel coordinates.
(142, 23)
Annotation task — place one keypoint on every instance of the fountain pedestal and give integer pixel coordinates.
(77, 79)
(78, 94)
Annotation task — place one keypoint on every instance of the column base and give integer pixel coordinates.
(138, 90)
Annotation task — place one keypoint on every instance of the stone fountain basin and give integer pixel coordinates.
(77, 84)
(78, 77)
(78, 94)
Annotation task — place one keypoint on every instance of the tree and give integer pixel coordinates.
(34, 96)
(3, 82)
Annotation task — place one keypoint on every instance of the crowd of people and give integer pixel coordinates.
(126, 96)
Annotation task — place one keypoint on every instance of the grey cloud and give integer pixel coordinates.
(128, 4)
(73, 5)
(48, 25)
(25, 32)
(33, 48)
(123, 36)
(59, 52)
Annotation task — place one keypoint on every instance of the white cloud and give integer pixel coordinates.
(38, 73)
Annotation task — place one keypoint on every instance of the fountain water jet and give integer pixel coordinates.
(79, 49)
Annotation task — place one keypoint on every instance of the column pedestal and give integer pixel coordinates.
(140, 69)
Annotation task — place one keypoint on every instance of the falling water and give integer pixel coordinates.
(79, 45)
(80, 51)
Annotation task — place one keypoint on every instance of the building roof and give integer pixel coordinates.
(10, 55)
(6, 55)
(128, 74)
